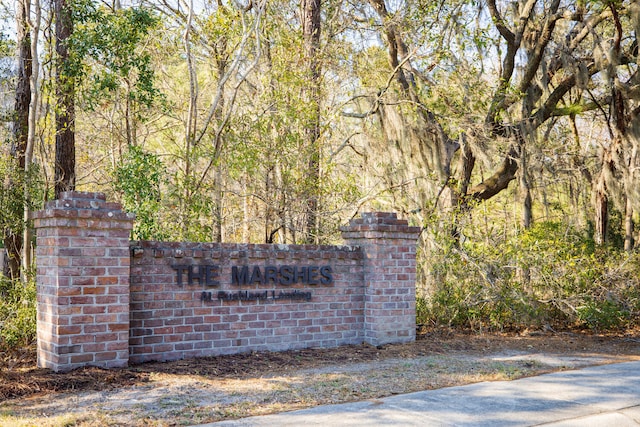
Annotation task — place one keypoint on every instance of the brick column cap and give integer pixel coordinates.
(83, 205)
(372, 224)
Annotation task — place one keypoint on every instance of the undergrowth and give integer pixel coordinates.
(17, 314)
(548, 276)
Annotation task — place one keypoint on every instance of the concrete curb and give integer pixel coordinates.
(607, 395)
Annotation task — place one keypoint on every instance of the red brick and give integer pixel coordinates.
(65, 291)
(122, 346)
(106, 299)
(156, 339)
(114, 327)
(106, 318)
(93, 348)
(69, 330)
(93, 329)
(106, 356)
(81, 358)
(82, 300)
(185, 329)
(93, 309)
(92, 290)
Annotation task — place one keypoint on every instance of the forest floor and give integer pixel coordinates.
(189, 392)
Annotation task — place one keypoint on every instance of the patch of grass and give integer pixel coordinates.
(65, 420)
(234, 410)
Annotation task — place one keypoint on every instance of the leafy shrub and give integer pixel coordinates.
(17, 313)
(548, 275)
(138, 178)
(422, 309)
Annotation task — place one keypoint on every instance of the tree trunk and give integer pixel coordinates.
(13, 239)
(602, 211)
(13, 246)
(629, 226)
(246, 214)
(524, 272)
(525, 189)
(27, 250)
(65, 162)
(311, 33)
(23, 86)
(218, 200)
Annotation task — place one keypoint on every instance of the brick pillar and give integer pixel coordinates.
(82, 260)
(389, 247)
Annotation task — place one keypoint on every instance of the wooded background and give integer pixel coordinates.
(508, 130)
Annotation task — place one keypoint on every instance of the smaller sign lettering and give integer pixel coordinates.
(255, 296)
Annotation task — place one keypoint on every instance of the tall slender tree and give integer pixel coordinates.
(13, 239)
(311, 26)
(65, 158)
(27, 248)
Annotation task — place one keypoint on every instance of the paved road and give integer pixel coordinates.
(600, 396)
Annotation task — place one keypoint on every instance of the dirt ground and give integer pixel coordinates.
(217, 388)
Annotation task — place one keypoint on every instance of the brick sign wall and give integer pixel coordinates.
(258, 297)
(106, 301)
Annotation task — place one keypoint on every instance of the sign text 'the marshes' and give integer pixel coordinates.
(208, 275)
